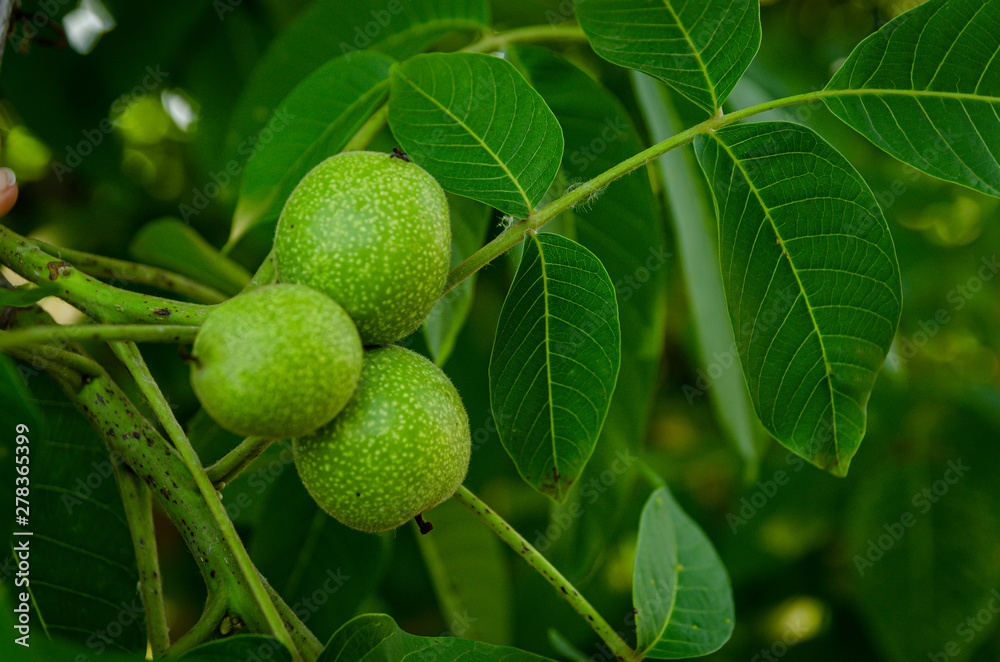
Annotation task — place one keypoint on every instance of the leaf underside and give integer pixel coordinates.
(681, 591)
(377, 638)
(701, 49)
(555, 361)
(474, 123)
(811, 280)
(926, 89)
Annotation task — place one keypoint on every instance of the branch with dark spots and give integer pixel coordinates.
(115, 270)
(131, 437)
(97, 300)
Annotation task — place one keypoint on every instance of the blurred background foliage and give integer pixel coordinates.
(147, 90)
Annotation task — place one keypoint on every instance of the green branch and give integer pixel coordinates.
(97, 300)
(135, 332)
(235, 461)
(133, 272)
(368, 130)
(138, 502)
(266, 274)
(542, 565)
(528, 34)
(206, 627)
(514, 234)
(129, 355)
(129, 435)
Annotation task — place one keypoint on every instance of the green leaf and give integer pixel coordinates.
(555, 360)
(19, 405)
(318, 565)
(475, 124)
(43, 649)
(681, 590)
(329, 28)
(469, 226)
(83, 568)
(316, 120)
(26, 295)
(239, 649)
(811, 279)
(691, 215)
(623, 228)
(377, 638)
(701, 49)
(470, 574)
(173, 244)
(926, 89)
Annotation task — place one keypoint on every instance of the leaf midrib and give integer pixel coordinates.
(795, 272)
(468, 129)
(548, 365)
(673, 597)
(874, 91)
(695, 52)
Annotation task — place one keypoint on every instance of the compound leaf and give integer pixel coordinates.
(329, 28)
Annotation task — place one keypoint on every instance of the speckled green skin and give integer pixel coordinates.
(373, 232)
(279, 361)
(399, 448)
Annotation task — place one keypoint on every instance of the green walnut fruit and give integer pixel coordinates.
(279, 361)
(371, 231)
(399, 448)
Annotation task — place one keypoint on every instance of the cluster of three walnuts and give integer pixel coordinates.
(379, 433)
